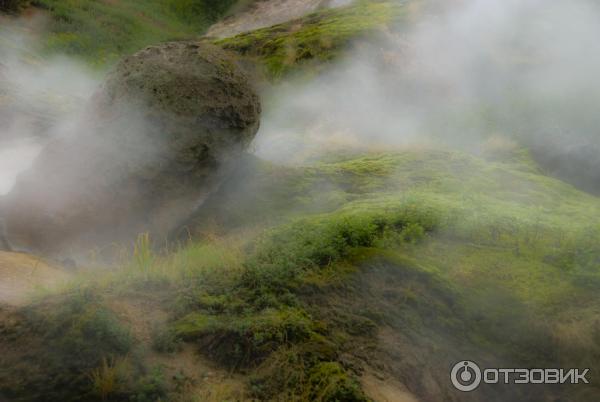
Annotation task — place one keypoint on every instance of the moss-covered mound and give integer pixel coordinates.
(431, 257)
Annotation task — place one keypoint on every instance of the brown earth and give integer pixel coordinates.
(189, 373)
(22, 274)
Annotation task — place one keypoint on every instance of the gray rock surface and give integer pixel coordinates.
(167, 125)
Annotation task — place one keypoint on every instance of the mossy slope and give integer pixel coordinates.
(315, 39)
(397, 263)
(423, 258)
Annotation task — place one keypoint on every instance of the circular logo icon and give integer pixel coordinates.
(465, 376)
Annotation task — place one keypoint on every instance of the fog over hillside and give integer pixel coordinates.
(525, 70)
(421, 192)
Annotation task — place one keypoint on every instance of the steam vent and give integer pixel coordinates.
(162, 132)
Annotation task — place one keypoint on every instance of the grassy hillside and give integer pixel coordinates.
(320, 282)
(317, 38)
(418, 259)
(103, 31)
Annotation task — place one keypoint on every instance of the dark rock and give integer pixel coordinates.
(158, 137)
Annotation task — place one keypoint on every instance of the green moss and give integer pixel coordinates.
(244, 339)
(88, 332)
(432, 243)
(433, 256)
(329, 382)
(318, 37)
(263, 315)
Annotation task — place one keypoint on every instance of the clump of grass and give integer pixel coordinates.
(166, 341)
(150, 387)
(84, 350)
(85, 327)
(284, 255)
(110, 376)
(248, 339)
(143, 256)
(330, 382)
(214, 263)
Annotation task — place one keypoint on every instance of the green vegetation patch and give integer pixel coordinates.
(103, 31)
(432, 256)
(247, 339)
(79, 348)
(445, 248)
(319, 37)
(263, 316)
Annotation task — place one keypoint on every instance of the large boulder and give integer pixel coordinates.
(161, 133)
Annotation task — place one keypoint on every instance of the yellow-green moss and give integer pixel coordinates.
(318, 37)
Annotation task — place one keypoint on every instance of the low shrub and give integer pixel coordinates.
(242, 340)
(329, 382)
(84, 355)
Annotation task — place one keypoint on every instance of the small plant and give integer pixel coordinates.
(166, 341)
(246, 339)
(110, 376)
(151, 387)
(329, 382)
(143, 256)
